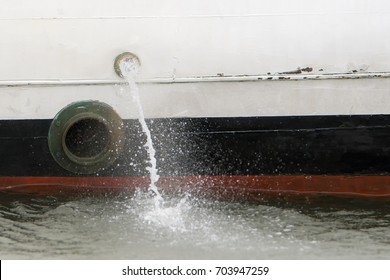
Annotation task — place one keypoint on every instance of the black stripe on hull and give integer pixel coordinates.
(304, 145)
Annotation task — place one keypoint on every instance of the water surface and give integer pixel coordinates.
(128, 226)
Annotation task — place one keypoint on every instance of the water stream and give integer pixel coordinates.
(163, 213)
(129, 69)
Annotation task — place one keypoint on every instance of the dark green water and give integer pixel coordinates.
(128, 226)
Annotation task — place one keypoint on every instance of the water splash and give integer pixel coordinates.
(129, 68)
(172, 213)
(157, 212)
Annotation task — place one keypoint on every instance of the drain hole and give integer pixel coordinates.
(87, 138)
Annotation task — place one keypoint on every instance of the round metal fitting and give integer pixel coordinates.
(86, 137)
(128, 59)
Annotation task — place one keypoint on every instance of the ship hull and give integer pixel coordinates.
(271, 99)
(254, 157)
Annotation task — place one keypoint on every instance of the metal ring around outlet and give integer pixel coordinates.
(86, 137)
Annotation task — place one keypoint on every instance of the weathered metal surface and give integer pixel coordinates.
(69, 41)
(208, 99)
(201, 79)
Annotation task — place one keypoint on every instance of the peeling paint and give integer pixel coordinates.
(298, 71)
(307, 69)
(201, 79)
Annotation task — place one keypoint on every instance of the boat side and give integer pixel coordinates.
(342, 153)
(274, 98)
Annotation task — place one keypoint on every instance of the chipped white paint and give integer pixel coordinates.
(79, 39)
(200, 79)
(209, 99)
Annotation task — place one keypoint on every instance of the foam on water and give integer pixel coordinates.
(170, 214)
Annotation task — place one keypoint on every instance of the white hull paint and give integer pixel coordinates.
(208, 99)
(198, 58)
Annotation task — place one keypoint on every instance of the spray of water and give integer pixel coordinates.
(165, 213)
(129, 68)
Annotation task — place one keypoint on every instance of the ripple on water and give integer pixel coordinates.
(186, 227)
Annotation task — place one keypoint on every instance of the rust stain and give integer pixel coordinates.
(307, 69)
(298, 71)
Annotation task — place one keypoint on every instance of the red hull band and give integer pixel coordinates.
(245, 187)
